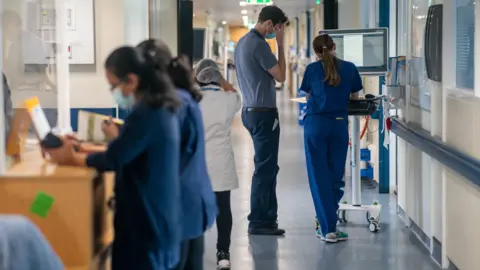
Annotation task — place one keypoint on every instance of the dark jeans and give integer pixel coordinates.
(264, 129)
(191, 257)
(224, 221)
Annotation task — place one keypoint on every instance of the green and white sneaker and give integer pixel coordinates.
(329, 238)
(342, 236)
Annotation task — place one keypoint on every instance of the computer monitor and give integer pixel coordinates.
(366, 48)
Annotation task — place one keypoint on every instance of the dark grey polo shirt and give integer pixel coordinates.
(253, 59)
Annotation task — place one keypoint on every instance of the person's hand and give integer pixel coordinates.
(227, 87)
(64, 155)
(280, 34)
(73, 140)
(110, 129)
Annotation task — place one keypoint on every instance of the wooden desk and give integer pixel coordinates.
(79, 224)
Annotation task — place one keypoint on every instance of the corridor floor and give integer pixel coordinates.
(394, 247)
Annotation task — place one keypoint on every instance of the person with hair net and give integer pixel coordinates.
(219, 106)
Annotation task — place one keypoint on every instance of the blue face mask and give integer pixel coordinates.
(123, 101)
(271, 35)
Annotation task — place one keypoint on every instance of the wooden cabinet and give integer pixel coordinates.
(79, 223)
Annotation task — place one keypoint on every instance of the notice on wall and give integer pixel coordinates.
(79, 26)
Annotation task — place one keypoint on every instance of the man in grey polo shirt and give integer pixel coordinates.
(257, 69)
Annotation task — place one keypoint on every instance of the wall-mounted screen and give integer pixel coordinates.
(366, 48)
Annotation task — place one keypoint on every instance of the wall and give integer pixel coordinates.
(136, 15)
(442, 203)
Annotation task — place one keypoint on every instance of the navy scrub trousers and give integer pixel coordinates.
(326, 145)
(263, 126)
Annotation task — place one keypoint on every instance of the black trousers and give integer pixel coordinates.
(264, 129)
(192, 254)
(224, 221)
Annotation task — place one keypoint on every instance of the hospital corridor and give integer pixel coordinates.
(239, 135)
(394, 247)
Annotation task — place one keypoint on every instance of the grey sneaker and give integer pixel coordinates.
(329, 238)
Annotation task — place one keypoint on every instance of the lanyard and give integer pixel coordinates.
(210, 88)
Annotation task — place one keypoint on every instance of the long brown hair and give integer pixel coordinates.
(323, 45)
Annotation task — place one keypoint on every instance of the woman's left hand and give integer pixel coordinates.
(64, 155)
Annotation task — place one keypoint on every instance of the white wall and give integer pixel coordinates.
(135, 21)
(444, 204)
(89, 88)
(349, 14)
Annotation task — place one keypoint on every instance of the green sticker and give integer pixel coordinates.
(42, 204)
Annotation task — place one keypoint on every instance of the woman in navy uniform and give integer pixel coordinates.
(329, 84)
(198, 202)
(145, 157)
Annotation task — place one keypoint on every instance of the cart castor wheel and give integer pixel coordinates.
(370, 218)
(374, 227)
(342, 216)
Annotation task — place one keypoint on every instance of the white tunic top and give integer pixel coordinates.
(218, 111)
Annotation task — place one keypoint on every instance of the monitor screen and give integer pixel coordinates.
(366, 48)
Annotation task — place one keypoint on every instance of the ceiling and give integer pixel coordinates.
(231, 10)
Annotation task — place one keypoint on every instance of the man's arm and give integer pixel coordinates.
(263, 54)
(279, 71)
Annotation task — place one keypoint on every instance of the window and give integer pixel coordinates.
(465, 30)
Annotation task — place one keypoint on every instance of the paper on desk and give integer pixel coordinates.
(42, 204)
(299, 100)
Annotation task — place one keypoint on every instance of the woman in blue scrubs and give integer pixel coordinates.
(145, 157)
(198, 202)
(329, 84)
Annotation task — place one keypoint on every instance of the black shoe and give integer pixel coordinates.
(223, 260)
(266, 231)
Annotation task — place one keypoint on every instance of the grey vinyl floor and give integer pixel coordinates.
(394, 247)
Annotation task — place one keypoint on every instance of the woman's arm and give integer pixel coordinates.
(90, 148)
(132, 140)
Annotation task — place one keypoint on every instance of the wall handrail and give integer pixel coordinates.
(461, 163)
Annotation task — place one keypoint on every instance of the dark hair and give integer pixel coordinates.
(154, 86)
(205, 84)
(323, 44)
(178, 68)
(272, 13)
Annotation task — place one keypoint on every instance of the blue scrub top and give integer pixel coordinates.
(198, 206)
(145, 157)
(326, 99)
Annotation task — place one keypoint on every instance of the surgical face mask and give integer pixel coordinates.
(271, 35)
(123, 101)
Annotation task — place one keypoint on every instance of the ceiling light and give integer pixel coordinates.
(243, 3)
(244, 11)
(224, 22)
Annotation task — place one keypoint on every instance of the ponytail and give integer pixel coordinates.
(324, 46)
(182, 76)
(178, 68)
(330, 64)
